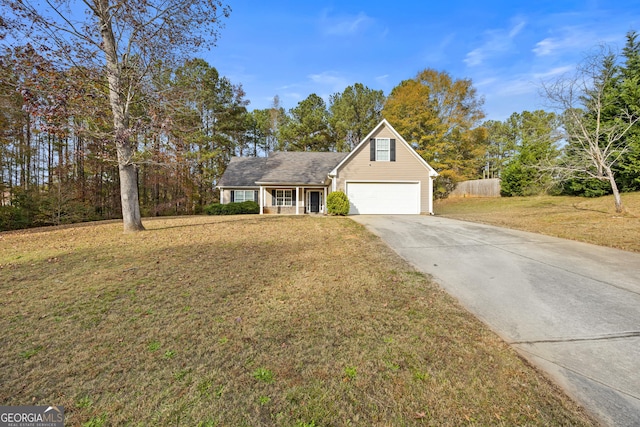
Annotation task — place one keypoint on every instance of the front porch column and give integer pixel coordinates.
(324, 200)
(261, 200)
(297, 200)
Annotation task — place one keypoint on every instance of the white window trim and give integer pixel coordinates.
(387, 150)
(244, 195)
(283, 196)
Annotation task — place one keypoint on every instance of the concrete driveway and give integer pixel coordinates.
(570, 308)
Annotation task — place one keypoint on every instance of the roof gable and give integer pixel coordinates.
(399, 139)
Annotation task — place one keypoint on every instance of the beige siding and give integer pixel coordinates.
(406, 168)
(225, 194)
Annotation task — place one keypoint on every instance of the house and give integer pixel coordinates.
(381, 175)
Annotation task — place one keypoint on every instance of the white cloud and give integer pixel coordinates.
(566, 39)
(517, 28)
(486, 82)
(344, 25)
(330, 79)
(475, 57)
(440, 52)
(384, 79)
(556, 71)
(545, 47)
(517, 86)
(497, 42)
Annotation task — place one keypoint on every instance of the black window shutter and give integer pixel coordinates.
(233, 195)
(293, 197)
(372, 156)
(273, 197)
(392, 150)
(255, 195)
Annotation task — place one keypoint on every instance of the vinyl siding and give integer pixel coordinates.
(225, 193)
(406, 168)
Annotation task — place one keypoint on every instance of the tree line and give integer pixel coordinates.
(94, 126)
(59, 164)
(590, 145)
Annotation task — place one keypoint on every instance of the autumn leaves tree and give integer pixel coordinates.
(125, 39)
(441, 117)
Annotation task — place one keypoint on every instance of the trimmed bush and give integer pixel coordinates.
(247, 207)
(337, 203)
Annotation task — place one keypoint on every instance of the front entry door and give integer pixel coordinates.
(315, 202)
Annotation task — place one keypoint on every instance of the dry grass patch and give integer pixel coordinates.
(291, 321)
(577, 218)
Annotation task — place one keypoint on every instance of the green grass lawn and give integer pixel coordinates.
(591, 220)
(249, 321)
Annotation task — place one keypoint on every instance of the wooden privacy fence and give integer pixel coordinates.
(477, 188)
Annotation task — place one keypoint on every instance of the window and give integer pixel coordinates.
(283, 198)
(243, 196)
(382, 149)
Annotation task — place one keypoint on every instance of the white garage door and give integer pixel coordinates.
(384, 197)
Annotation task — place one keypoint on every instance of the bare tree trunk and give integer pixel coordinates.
(119, 106)
(616, 193)
(129, 197)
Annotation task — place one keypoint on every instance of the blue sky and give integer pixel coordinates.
(295, 48)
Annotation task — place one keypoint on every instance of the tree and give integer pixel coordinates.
(534, 141)
(204, 123)
(501, 140)
(627, 91)
(441, 117)
(595, 123)
(125, 38)
(353, 113)
(308, 126)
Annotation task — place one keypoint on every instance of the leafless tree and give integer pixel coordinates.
(125, 38)
(594, 122)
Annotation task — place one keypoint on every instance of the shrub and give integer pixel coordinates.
(13, 218)
(445, 183)
(247, 207)
(337, 203)
(519, 179)
(586, 187)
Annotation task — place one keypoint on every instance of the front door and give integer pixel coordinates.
(314, 205)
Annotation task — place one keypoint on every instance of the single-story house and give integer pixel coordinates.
(381, 175)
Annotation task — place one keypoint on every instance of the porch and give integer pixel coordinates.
(288, 200)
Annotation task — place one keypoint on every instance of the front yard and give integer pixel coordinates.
(248, 320)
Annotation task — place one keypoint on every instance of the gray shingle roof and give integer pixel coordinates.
(243, 172)
(295, 167)
(284, 167)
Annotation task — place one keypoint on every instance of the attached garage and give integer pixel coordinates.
(385, 197)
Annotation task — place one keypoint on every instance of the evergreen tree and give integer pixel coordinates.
(308, 126)
(535, 143)
(354, 113)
